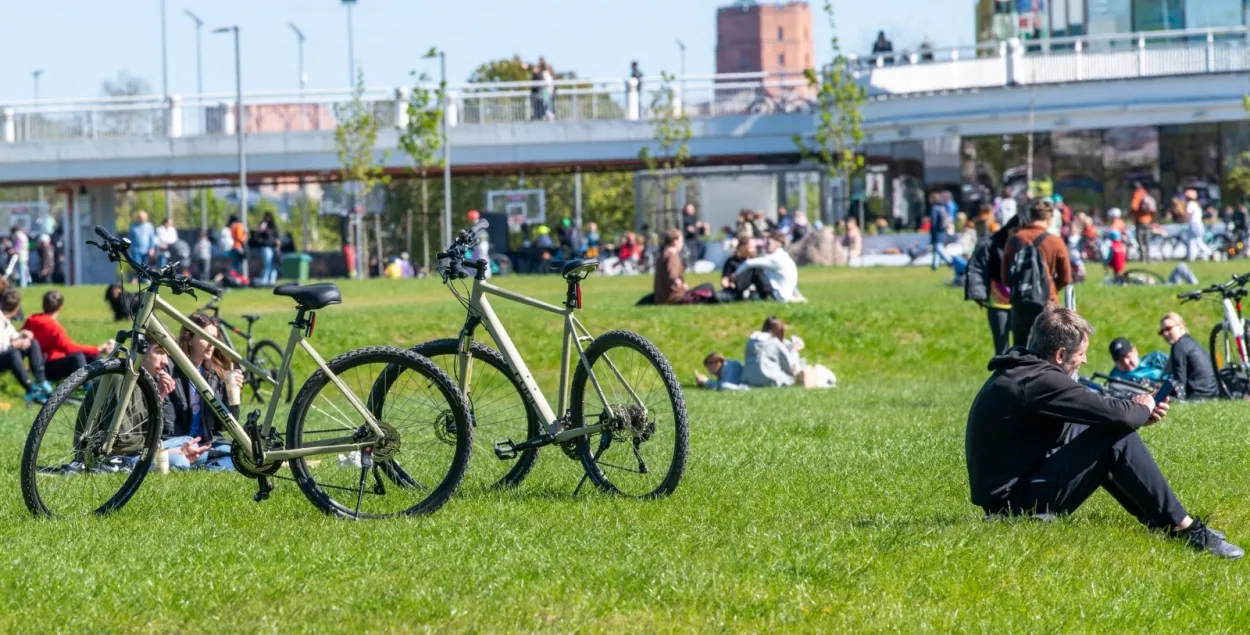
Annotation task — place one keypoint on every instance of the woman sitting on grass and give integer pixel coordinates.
(772, 359)
(192, 430)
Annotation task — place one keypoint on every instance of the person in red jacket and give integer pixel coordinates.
(62, 355)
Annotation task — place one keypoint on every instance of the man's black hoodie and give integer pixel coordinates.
(1021, 415)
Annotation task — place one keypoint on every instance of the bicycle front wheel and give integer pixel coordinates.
(268, 356)
(418, 463)
(641, 451)
(65, 471)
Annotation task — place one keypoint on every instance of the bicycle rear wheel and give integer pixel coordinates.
(416, 466)
(64, 470)
(499, 409)
(641, 452)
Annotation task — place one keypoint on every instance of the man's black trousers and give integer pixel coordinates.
(1092, 457)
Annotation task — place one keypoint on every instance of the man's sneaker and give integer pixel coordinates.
(1203, 538)
(44, 387)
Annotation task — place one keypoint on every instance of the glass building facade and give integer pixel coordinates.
(1035, 19)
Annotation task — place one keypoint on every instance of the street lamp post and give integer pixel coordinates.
(351, 47)
(169, 204)
(240, 128)
(199, 90)
(35, 75)
(442, 79)
(303, 125)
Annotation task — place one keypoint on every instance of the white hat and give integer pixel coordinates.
(1114, 212)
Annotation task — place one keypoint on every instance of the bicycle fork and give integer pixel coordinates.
(1232, 318)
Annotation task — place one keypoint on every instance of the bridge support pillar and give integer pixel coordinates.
(452, 112)
(8, 126)
(90, 206)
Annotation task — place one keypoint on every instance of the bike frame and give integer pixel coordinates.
(148, 324)
(575, 333)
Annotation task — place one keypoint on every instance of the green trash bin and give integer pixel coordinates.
(295, 267)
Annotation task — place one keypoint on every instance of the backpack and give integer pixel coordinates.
(977, 277)
(1027, 275)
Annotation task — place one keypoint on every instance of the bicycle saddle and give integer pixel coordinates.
(311, 296)
(576, 269)
(250, 317)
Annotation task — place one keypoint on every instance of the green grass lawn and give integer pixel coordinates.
(826, 511)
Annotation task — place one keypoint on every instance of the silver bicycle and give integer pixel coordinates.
(621, 413)
(402, 450)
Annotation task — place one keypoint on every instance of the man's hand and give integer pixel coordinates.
(1157, 410)
(107, 347)
(21, 343)
(192, 450)
(701, 378)
(165, 383)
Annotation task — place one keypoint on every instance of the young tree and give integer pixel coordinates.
(672, 137)
(422, 139)
(839, 125)
(354, 139)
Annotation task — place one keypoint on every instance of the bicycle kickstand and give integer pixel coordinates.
(366, 464)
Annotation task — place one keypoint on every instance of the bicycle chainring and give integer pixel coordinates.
(245, 466)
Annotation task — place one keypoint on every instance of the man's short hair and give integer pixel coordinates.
(52, 301)
(713, 358)
(777, 236)
(671, 237)
(1058, 328)
(1041, 210)
(10, 300)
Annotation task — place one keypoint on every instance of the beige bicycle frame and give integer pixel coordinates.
(574, 334)
(147, 323)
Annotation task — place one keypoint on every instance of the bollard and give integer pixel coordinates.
(401, 107)
(8, 126)
(173, 113)
(632, 103)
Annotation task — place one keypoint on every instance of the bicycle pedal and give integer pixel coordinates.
(505, 450)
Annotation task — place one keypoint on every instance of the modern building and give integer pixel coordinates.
(753, 37)
(1037, 19)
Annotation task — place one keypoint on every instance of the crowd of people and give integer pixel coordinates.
(155, 246)
(34, 255)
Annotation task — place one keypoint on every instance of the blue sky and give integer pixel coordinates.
(79, 43)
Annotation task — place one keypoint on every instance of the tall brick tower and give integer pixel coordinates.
(753, 37)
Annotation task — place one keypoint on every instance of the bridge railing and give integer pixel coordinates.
(984, 66)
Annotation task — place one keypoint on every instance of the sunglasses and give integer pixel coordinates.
(1165, 329)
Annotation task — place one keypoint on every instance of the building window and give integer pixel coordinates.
(781, 59)
(781, 34)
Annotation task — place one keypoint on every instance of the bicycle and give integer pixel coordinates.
(92, 459)
(630, 435)
(263, 357)
(1227, 344)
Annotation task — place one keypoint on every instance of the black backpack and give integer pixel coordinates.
(1030, 283)
(977, 278)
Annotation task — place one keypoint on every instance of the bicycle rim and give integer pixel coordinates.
(420, 463)
(64, 473)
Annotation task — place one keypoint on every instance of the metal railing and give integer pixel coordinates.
(989, 65)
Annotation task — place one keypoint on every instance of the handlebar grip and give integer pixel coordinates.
(103, 233)
(204, 286)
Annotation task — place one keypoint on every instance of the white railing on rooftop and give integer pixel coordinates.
(984, 66)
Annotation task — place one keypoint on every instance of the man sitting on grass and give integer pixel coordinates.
(1039, 443)
(1130, 366)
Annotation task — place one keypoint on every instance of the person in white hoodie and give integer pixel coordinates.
(779, 268)
(18, 346)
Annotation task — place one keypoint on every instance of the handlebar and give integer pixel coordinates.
(1234, 288)
(454, 254)
(118, 249)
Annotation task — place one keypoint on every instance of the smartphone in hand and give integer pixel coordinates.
(1165, 391)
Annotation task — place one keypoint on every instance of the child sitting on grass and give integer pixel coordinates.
(726, 374)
